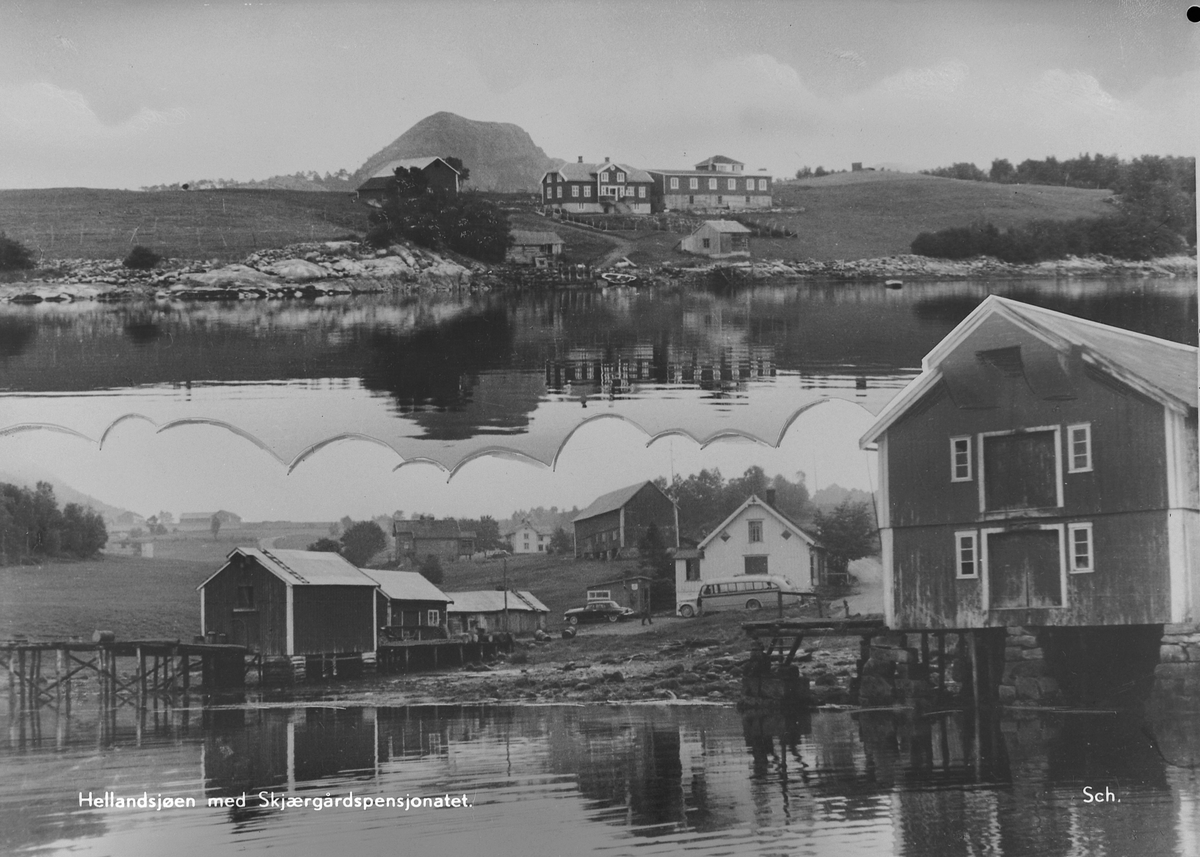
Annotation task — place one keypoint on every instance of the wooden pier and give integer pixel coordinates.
(44, 673)
(410, 655)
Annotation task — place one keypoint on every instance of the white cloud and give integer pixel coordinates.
(41, 110)
(1074, 90)
(941, 82)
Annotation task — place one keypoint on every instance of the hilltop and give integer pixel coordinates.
(501, 156)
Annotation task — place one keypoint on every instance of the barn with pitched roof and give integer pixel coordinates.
(439, 174)
(616, 521)
(1041, 471)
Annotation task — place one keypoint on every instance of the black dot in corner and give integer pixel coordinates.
(1193, 14)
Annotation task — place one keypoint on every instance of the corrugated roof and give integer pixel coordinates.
(723, 226)
(525, 237)
(609, 502)
(492, 601)
(533, 600)
(304, 568)
(1166, 371)
(406, 585)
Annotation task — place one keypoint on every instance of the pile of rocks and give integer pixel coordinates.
(300, 270)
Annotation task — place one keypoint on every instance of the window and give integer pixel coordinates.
(574, 190)
(712, 184)
(756, 564)
(641, 191)
(1081, 548)
(747, 200)
(707, 242)
(432, 617)
(620, 177)
(691, 569)
(732, 184)
(755, 530)
(604, 177)
(966, 554)
(560, 193)
(960, 459)
(541, 547)
(587, 191)
(749, 184)
(1021, 470)
(549, 193)
(674, 184)
(694, 184)
(1079, 438)
(245, 597)
(762, 184)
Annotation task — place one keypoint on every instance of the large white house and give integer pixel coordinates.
(755, 539)
(529, 539)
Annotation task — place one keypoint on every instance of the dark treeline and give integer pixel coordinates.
(32, 527)
(1155, 213)
(707, 498)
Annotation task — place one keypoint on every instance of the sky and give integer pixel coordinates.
(128, 94)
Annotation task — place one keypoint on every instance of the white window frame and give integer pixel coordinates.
(954, 477)
(762, 184)
(985, 583)
(559, 195)
(641, 191)
(1072, 529)
(712, 184)
(674, 184)
(575, 190)
(1058, 469)
(750, 532)
(433, 617)
(732, 184)
(620, 177)
(959, 537)
(587, 191)
(694, 184)
(1086, 430)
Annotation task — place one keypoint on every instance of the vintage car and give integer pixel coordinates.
(597, 611)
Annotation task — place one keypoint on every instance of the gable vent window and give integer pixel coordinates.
(1079, 438)
(755, 533)
(960, 459)
(1006, 360)
(1081, 548)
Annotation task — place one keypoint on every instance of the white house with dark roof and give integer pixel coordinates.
(756, 539)
(604, 187)
(529, 538)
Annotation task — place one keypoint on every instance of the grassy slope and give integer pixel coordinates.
(868, 215)
(220, 224)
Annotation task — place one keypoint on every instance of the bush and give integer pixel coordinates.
(431, 570)
(14, 255)
(141, 258)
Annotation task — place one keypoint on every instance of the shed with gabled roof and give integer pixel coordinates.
(1041, 471)
(408, 601)
(534, 248)
(718, 239)
(438, 173)
(290, 603)
(484, 610)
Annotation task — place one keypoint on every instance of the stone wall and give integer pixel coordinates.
(1177, 676)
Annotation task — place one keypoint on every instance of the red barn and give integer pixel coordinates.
(1041, 471)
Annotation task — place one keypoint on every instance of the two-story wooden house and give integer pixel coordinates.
(605, 187)
(716, 182)
(1041, 471)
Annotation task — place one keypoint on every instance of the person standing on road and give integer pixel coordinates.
(646, 618)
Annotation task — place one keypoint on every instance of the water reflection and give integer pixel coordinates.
(705, 779)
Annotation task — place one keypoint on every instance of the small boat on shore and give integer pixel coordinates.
(893, 284)
(618, 279)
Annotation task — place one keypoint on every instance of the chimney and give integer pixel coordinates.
(606, 159)
(771, 497)
(581, 159)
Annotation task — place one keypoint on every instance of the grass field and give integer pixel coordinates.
(86, 223)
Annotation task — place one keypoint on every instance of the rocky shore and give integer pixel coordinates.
(299, 270)
(349, 267)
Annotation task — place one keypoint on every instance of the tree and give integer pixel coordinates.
(487, 532)
(431, 569)
(804, 173)
(410, 182)
(141, 258)
(361, 541)
(848, 533)
(214, 524)
(14, 256)
(654, 560)
(464, 173)
(1001, 171)
(560, 542)
(326, 545)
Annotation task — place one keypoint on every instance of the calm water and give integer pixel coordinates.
(444, 377)
(603, 780)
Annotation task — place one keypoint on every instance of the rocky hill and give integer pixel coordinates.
(500, 156)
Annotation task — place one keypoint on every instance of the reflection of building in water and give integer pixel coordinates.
(613, 371)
